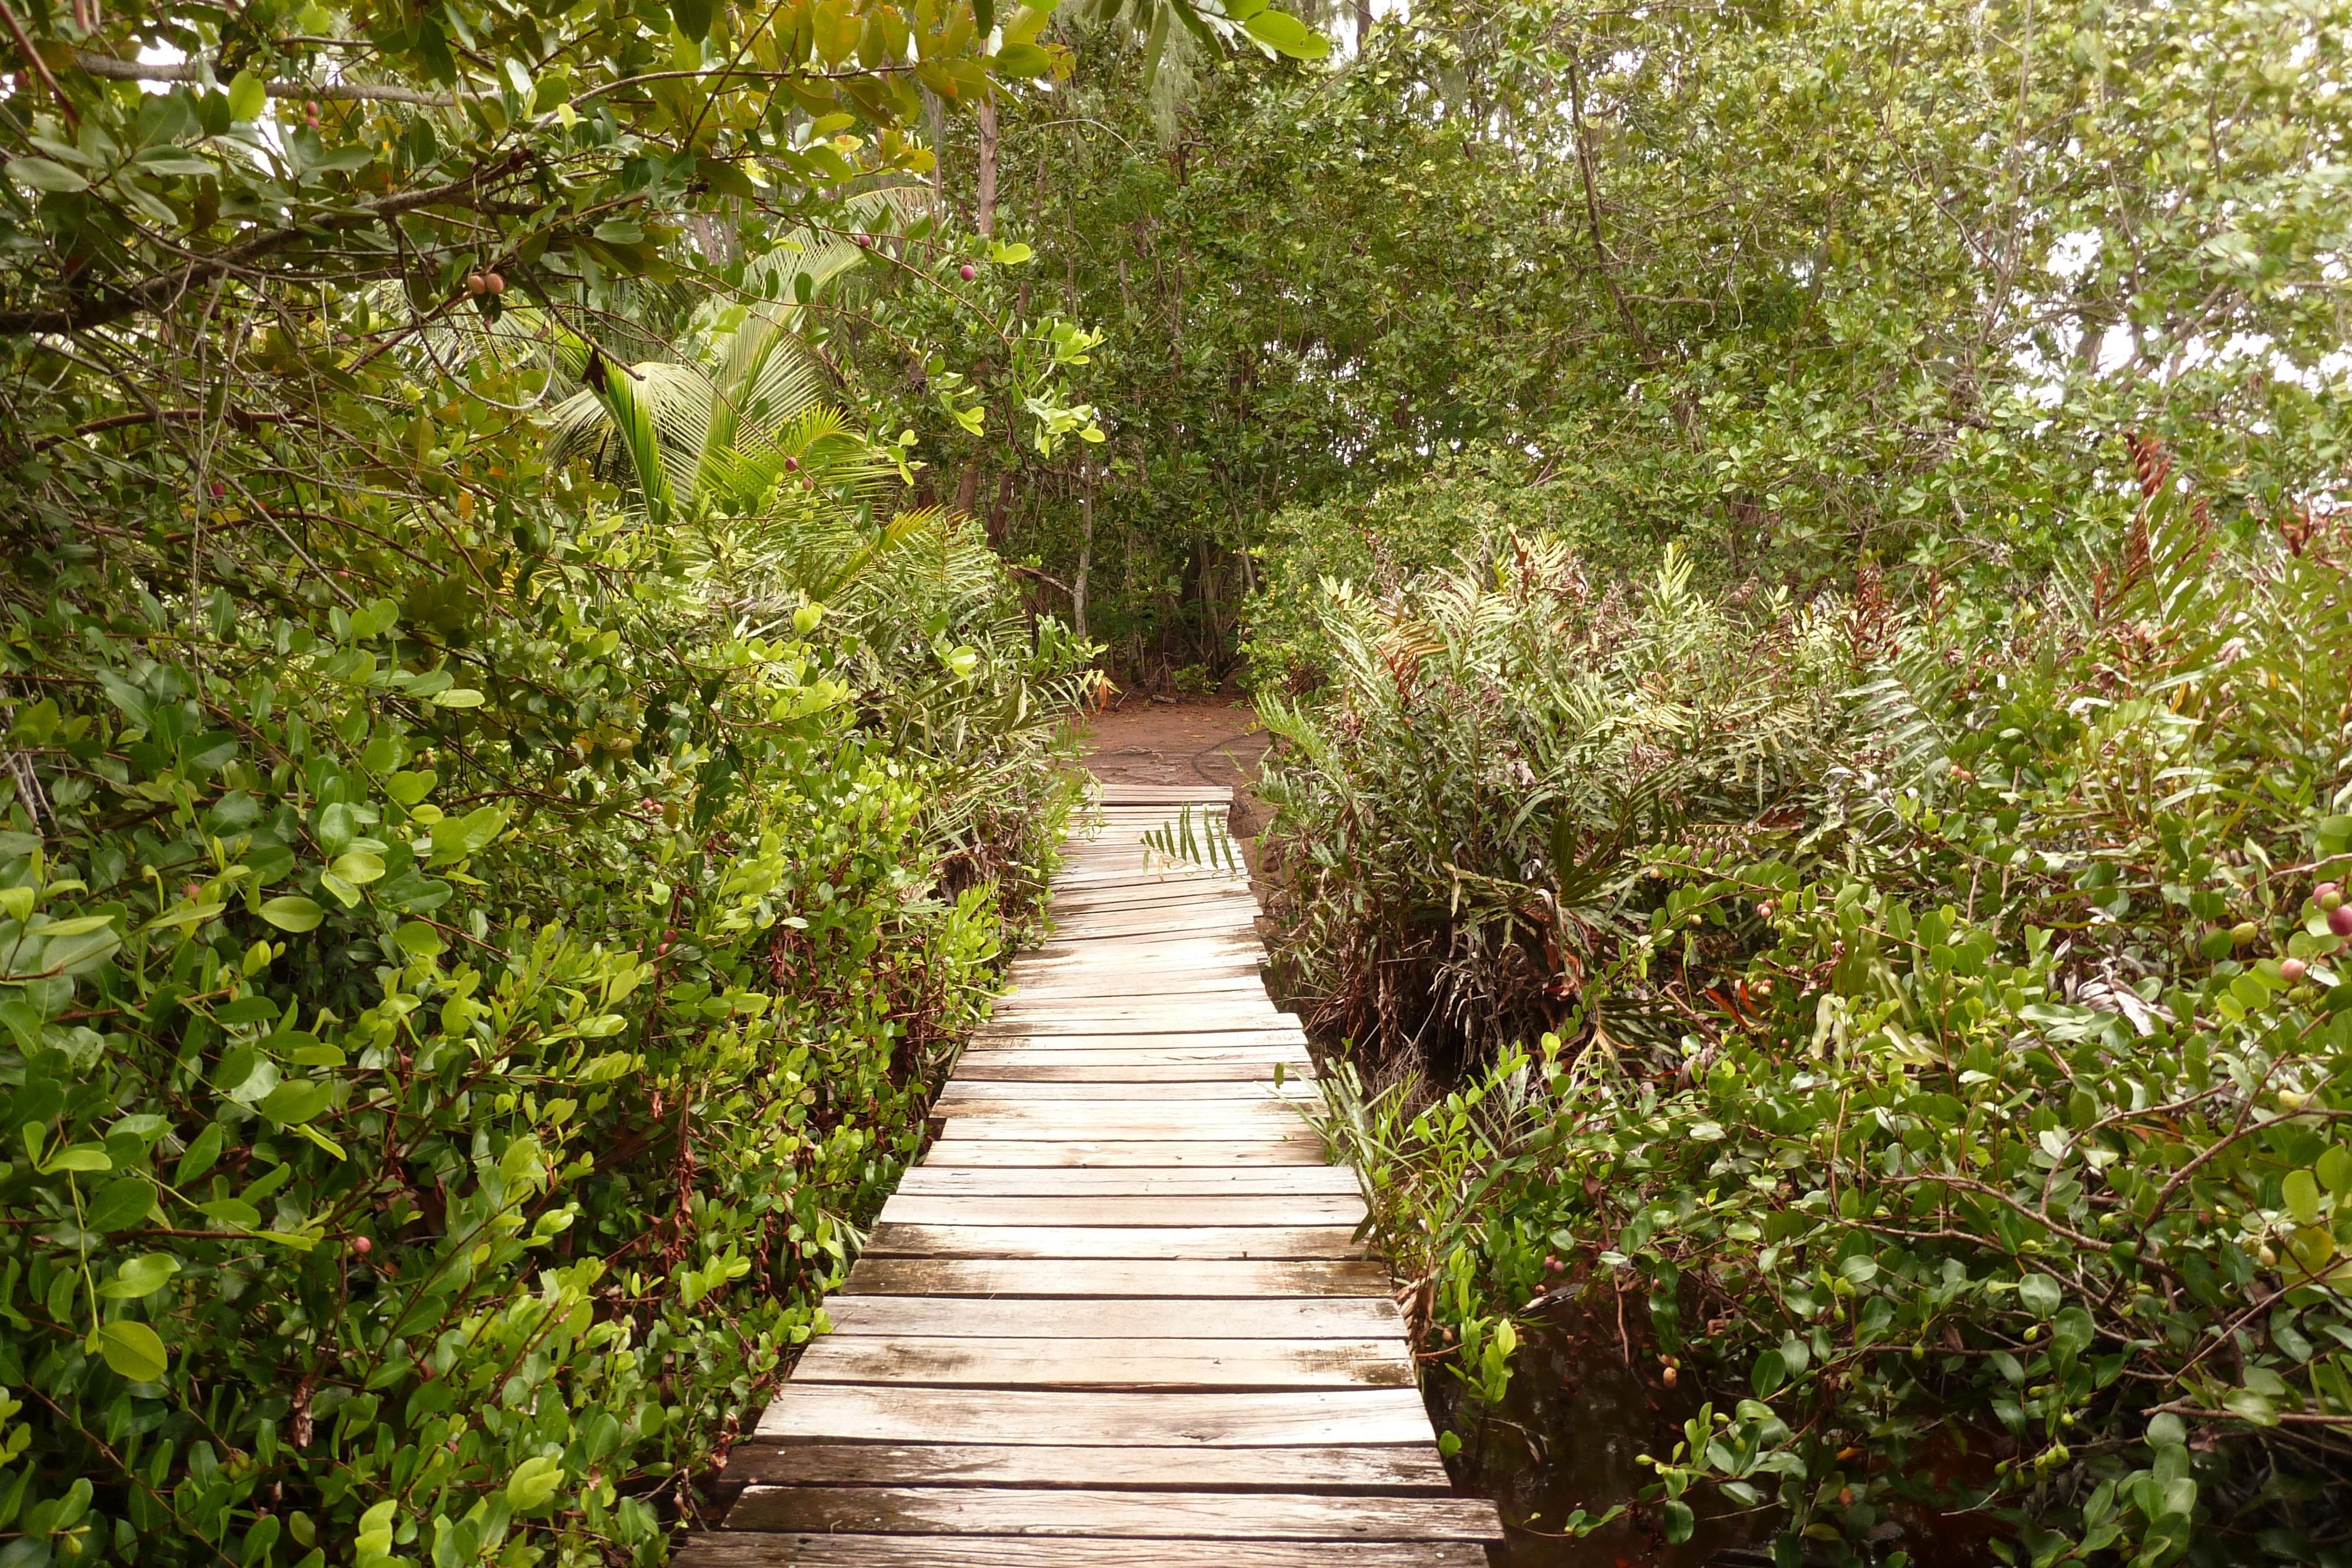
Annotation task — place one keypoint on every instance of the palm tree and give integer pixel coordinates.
(733, 447)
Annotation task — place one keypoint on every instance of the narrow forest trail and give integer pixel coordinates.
(1118, 1315)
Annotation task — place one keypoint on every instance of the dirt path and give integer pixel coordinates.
(1206, 742)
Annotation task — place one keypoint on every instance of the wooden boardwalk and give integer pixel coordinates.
(1119, 1316)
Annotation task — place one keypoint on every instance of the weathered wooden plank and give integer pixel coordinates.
(1195, 1516)
(1167, 1045)
(971, 1132)
(1155, 1020)
(1133, 875)
(1108, 951)
(893, 1240)
(1070, 995)
(1028, 1070)
(1160, 1209)
(1233, 1319)
(1396, 1471)
(1234, 1365)
(1284, 1039)
(1056, 1053)
(727, 1548)
(747, 1549)
(1164, 1279)
(1036, 1149)
(1224, 960)
(846, 1413)
(1249, 1117)
(1176, 923)
(1292, 1089)
(1230, 895)
(948, 1180)
(1232, 962)
(1075, 978)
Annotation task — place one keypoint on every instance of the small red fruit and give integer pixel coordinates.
(791, 465)
(219, 489)
(966, 272)
(2292, 969)
(495, 284)
(475, 283)
(363, 1246)
(2339, 920)
(863, 241)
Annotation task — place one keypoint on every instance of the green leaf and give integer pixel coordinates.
(2334, 1168)
(2255, 1408)
(140, 1277)
(2039, 1293)
(42, 174)
(1679, 1520)
(534, 1482)
(408, 789)
(297, 1099)
(2301, 1190)
(693, 17)
(134, 1350)
(231, 1211)
(359, 867)
(457, 696)
(1287, 35)
(201, 1156)
(120, 1205)
(420, 939)
(81, 1157)
(293, 913)
(1769, 1373)
(247, 95)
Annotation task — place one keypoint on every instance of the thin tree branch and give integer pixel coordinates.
(335, 92)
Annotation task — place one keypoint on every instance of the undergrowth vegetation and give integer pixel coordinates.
(1942, 1042)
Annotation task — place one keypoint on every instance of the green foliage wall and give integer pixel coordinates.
(410, 1151)
(1943, 1026)
(1796, 285)
(473, 954)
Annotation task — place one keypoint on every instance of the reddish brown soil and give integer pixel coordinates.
(1212, 740)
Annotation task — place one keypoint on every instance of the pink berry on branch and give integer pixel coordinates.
(966, 272)
(2293, 970)
(2339, 920)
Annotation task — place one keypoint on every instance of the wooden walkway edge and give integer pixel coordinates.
(1119, 1316)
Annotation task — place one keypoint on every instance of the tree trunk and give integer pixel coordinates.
(966, 490)
(1000, 514)
(1363, 24)
(935, 115)
(1085, 553)
(984, 197)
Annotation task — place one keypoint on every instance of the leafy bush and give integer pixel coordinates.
(1462, 815)
(454, 1036)
(1954, 1085)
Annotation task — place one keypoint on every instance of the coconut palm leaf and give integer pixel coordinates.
(637, 432)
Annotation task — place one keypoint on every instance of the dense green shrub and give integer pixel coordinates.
(454, 1035)
(1946, 1050)
(464, 996)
